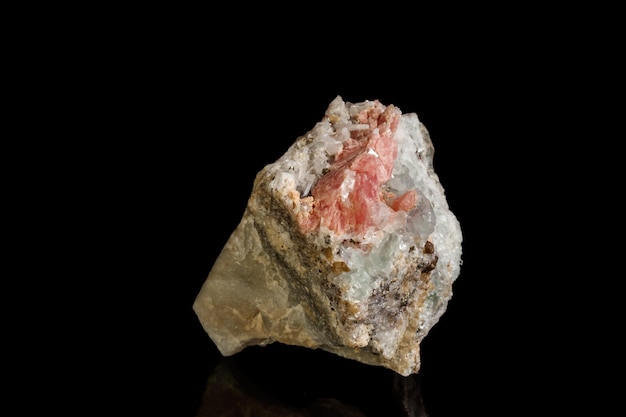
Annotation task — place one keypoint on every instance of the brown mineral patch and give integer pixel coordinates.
(349, 308)
(431, 265)
(429, 247)
(340, 267)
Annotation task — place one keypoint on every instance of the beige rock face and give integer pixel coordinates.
(347, 244)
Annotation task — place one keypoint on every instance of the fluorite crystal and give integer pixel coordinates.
(347, 244)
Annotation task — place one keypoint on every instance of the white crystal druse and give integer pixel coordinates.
(347, 244)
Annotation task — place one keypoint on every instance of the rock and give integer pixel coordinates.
(347, 244)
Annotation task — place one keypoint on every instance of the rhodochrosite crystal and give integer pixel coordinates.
(347, 244)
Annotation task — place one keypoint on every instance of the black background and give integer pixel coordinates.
(206, 132)
(177, 113)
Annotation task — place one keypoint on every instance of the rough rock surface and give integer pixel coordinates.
(347, 244)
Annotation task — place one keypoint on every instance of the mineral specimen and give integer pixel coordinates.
(347, 244)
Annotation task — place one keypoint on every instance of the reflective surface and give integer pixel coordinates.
(279, 380)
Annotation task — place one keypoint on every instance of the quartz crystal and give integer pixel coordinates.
(347, 244)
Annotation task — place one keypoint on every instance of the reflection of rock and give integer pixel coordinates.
(293, 382)
(230, 393)
(407, 393)
(347, 244)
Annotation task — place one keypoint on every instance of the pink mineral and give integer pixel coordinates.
(348, 199)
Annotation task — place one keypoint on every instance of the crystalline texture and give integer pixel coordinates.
(347, 244)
